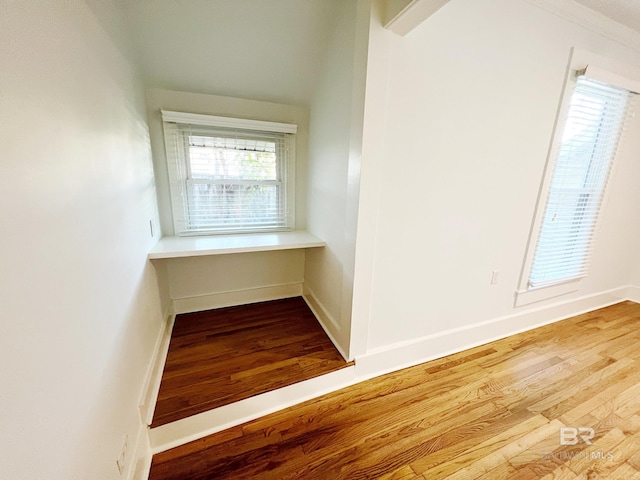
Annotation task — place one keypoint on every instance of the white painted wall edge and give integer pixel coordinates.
(236, 297)
(198, 426)
(410, 353)
(324, 319)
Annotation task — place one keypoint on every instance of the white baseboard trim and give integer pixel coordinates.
(236, 297)
(632, 293)
(198, 426)
(154, 371)
(316, 305)
(324, 319)
(141, 465)
(401, 355)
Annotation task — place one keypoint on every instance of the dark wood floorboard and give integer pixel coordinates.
(221, 356)
(492, 412)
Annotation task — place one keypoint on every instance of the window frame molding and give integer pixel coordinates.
(177, 167)
(227, 122)
(599, 68)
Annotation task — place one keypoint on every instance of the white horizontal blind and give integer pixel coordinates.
(227, 179)
(588, 145)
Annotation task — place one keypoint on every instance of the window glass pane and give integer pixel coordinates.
(231, 158)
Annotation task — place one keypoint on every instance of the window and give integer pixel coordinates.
(582, 159)
(579, 178)
(229, 175)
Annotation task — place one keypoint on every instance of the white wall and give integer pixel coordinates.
(471, 101)
(625, 212)
(334, 164)
(80, 303)
(203, 283)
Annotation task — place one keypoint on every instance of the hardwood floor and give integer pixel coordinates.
(221, 356)
(490, 413)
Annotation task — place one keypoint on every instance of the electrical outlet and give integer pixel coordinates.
(494, 277)
(121, 461)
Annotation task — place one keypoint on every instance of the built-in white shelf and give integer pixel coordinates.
(176, 247)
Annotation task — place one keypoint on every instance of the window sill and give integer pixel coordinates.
(527, 297)
(177, 247)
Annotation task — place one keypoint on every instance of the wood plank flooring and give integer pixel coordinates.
(493, 412)
(221, 356)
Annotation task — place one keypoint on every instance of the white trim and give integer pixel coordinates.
(407, 354)
(139, 469)
(527, 297)
(632, 293)
(547, 174)
(199, 426)
(613, 78)
(153, 377)
(591, 20)
(318, 308)
(140, 457)
(324, 319)
(193, 246)
(229, 122)
(236, 297)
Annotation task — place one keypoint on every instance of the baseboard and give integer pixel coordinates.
(324, 319)
(154, 372)
(632, 293)
(407, 354)
(139, 469)
(198, 426)
(236, 297)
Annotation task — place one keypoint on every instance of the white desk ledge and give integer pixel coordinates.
(176, 247)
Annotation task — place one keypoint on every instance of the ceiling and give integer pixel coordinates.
(626, 12)
(266, 50)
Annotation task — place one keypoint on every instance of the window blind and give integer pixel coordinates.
(592, 129)
(227, 179)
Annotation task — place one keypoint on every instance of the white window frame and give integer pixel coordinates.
(604, 70)
(178, 167)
